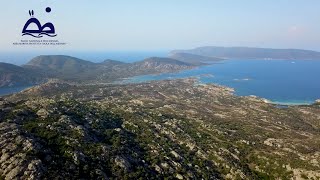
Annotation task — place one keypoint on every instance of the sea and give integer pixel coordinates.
(279, 81)
(12, 90)
(20, 58)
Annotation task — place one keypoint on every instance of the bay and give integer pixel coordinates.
(11, 90)
(280, 81)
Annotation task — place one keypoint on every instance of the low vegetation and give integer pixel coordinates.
(159, 130)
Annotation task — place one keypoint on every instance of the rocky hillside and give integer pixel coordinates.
(71, 69)
(159, 65)
(58, 66)
(12, 75)
(59, 63)
(159, 130)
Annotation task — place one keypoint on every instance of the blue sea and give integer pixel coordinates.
(20, 58)
(11, 90)
(280, 81)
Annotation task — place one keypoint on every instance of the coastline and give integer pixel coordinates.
(13, 90)
(135, 79)
(292, 103)
(284, 103)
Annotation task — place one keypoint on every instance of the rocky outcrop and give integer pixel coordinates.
(15, 162)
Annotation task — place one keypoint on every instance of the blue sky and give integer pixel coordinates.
(142, 25)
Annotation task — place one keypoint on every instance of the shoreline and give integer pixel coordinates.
(6, 91)
(128, 80)
(283, 103)
(291, 103)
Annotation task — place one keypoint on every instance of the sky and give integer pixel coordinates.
(150, 25)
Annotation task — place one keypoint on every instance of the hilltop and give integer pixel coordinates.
(12, 75)
(42, 68)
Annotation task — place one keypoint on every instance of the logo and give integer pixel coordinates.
(38, 32)
(41, 35)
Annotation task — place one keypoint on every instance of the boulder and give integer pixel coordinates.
(123, 163)
(43, 113)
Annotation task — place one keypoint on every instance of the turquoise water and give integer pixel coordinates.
(283, 82)
(11, 90)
